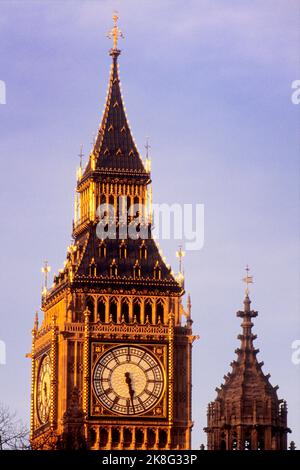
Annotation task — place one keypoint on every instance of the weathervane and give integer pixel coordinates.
(248, 280)
(115, 33)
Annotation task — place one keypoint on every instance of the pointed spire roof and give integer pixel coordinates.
(114, 149)
(247, 380)
(114, 157)
(246, 399)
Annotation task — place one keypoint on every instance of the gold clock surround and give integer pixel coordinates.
(111, 399)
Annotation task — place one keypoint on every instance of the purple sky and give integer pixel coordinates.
(210, 83)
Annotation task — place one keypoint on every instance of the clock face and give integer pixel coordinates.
(43, 389)
(128, 380)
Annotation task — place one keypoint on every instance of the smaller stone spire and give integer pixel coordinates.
(247, 413)
(247, 337)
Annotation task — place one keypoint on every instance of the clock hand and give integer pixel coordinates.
(131, 391)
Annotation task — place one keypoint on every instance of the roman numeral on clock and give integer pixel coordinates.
(115, 402)
(140, 402)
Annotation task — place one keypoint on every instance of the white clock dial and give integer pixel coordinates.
(43, 389)
(128, 380)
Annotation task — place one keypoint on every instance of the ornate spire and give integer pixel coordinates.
(114, 161)
(114, 150)
(247, 337)
(247, 405)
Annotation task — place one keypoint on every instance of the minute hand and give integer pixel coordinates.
(131, 391)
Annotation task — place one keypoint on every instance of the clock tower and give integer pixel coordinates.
(111, 360)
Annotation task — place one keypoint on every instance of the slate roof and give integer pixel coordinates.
(114, 147)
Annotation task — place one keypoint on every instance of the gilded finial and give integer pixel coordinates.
(148, 160)
(80, 156)
(147, 147)
(115, 33)
(79, 169)
(36, 321)
(248, 280)
(189, 305)
(180, 254)
(45, 270)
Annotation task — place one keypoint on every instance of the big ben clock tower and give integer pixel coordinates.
(111, 360)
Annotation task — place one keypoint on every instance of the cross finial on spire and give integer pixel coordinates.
(248, 280)
(115, 33)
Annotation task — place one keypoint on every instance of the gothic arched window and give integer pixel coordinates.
(139, 437)
(113, 309)
(157, 271)
(163, 438)
(159, 312)
(137, 208)
(137, 311)
(90, 305)
(115, 437)
(151, 438)
(113, 269)
(101, 310)
(125, 311)
(111, 201)
(123, 250)
(127, 437)
(92, 436)
(103, 437)
(102, 249)
(93, 268)
(143, 251)
(148, 311)
(129, 209)
(136, 270)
